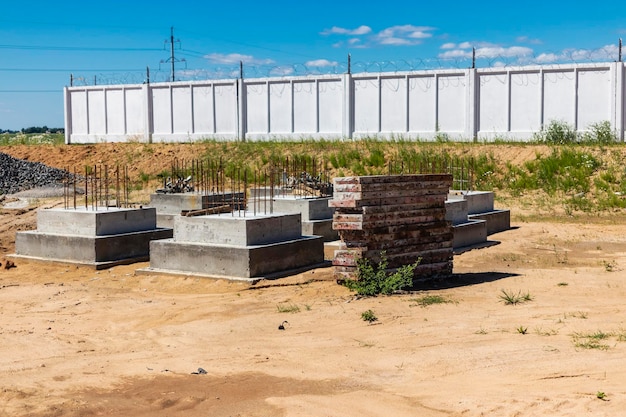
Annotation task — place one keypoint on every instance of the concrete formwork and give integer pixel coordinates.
(99, 238)
(403, 216)
(246, 247)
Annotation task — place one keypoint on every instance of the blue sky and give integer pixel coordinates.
(43, 42)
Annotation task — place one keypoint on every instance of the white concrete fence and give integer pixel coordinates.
(506, 103)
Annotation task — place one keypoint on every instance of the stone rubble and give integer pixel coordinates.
(19, 175)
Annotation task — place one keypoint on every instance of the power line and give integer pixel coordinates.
(64, 70)
(31, 91)
(74, 48)
(250, 45)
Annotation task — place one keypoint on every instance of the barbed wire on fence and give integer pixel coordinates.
(461, 60)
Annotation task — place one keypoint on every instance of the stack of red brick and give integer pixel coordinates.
(400, 215)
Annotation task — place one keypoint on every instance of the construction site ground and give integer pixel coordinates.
(80, 342)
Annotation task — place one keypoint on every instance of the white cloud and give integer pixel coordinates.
(498, 51)
(398, 35)
(456, 53)
(321, 63)
(448, 45)
(606, 53)
(235, 58)
(403, 35)
(526, 39)
(486, 50)
(546, 58)
(335, 30)
(281, 71)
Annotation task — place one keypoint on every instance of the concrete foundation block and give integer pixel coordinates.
(497, 220)
(178, 202)
(310, 208)
(323, 228)
(101, 222)
(470, 233)
(166, 220)
(456, 211)
(175, 203)
(226, 229)
(255, 261)
(96, 251)
(477, 201)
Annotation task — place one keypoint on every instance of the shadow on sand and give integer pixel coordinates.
(461, 280)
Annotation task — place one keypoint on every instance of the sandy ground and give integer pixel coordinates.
(79, 342)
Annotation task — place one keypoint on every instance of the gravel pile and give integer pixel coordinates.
(18, 175)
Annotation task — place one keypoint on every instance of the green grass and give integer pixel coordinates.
(585, 175)
(7, 139)
(511, 298)
(288, 308)
(591, 340)
(428, 300)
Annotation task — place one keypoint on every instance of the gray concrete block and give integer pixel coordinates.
(497, 220)
(176, 203)
(96, 251)
(227, 229)
(477, 201)
(101, 222)
(166, 220)
(236, 261)
(322, 228)
(310, 208)
(456, 211)
(470, 233)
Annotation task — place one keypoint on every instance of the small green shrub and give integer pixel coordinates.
(600, 133)
(369, 316)
(373, 280)
(557, 133)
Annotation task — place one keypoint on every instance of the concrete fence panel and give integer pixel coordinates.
(306, 109)
(525, 103)
(422, 115)
(115, 117)
(330, 108)
(452, 104)
(559, 96)
(483, 104)
(594, 97)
